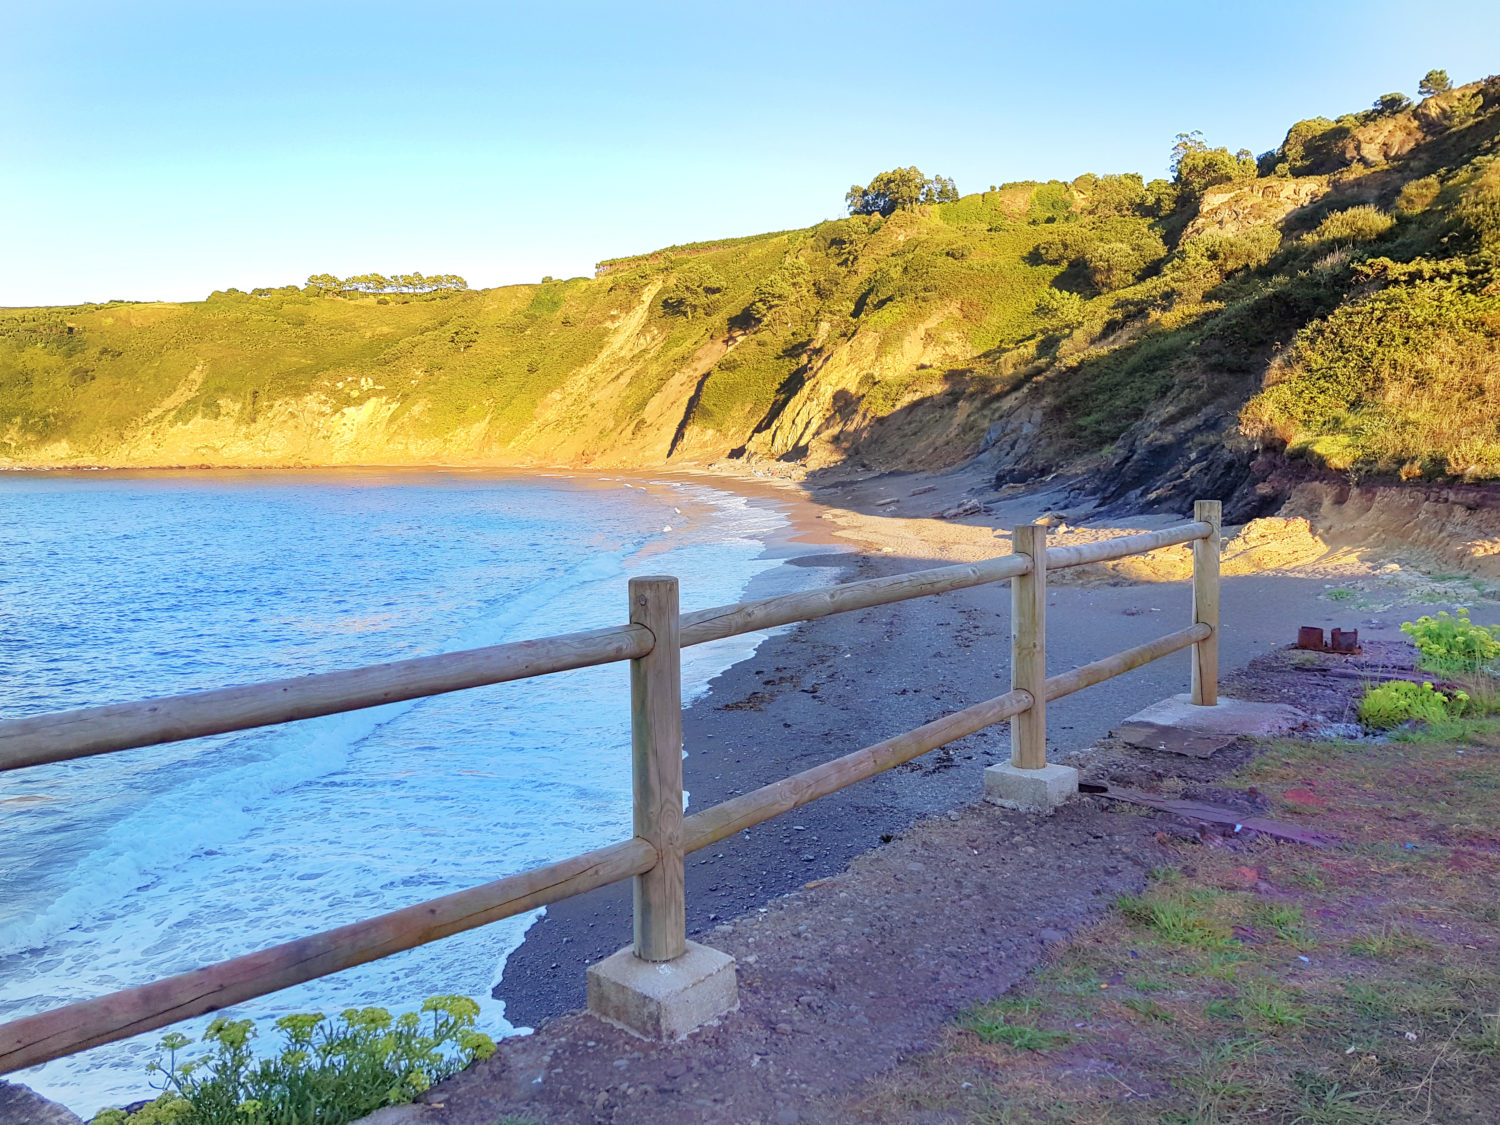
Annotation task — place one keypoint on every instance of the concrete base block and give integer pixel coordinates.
(1228, 716)
(663, 1000)
(1029, 790)
(1177, 726)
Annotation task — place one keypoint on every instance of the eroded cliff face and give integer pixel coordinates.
(385, 419)
(1236, 208)
(826, 417)
(1453, 526)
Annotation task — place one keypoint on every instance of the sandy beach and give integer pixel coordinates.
(831, 686)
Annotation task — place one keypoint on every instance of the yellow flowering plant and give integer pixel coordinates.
(329, 1071)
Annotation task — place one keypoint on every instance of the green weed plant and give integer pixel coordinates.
(1452, 643)
(328, 1071)
(1389, 705)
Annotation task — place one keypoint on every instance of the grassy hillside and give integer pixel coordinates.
(1338, 300)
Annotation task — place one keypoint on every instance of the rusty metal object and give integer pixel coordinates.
(1310, 637)
(1345, 641)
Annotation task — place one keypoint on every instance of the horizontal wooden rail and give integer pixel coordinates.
(58, 737)
(1087, 675)
(90, 1023)
(738, 813)
(1103, 550)
(61, 736)
(747, 617)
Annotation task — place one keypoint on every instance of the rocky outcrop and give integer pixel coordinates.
(1450, 526)
(22, 1106)
(1164, 464)
(1234, 208)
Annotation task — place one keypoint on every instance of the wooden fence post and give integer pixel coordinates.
(1028, 648)
(656, 756)
(1206, 604)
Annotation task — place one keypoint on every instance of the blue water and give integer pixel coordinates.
(126, 867)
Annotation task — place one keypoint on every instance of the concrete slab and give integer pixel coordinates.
(1040, 790)
(663, 1000)
(1176, 740)
(1176, 725)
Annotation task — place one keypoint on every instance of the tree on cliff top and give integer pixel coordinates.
(900, 189)
(1196, 167)
(1434, 82)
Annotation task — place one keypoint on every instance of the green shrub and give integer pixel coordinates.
(1114, 265)
(169, 1109)
(1464, 108)
(1116, 194)
(1196, 167)
(1406, 374)
(1478, 212)
(1050, 202)
(328, 1073)
(1418, 195)
(1060, 308)
(1453, 644)
(694, 291)
(1212, 257)
(1401, 701)
(1113, 251)
(1356, 224)
(1309, 145)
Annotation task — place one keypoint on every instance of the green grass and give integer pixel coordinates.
(1349, 985)
(997, 1023)
(1388, 944)
(1177, 919)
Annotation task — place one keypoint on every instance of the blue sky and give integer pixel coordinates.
(163, 150)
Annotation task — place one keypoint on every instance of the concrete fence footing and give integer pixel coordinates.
(1034, 790)
(663, 1000)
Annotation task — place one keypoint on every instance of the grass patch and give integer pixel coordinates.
(1003, 1021)
(1388, 944)
(1177, 919)
(1353, 984)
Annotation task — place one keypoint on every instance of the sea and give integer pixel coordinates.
(123, 868)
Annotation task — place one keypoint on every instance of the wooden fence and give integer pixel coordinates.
(652, 641)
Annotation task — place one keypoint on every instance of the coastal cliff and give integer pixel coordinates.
(1329, 305)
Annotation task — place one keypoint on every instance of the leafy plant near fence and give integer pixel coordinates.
(1401, 701)
(328, 1071)
(1453, 643)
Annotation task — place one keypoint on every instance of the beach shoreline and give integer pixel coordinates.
(831, 686)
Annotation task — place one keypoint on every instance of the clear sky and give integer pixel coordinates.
(153, 150)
